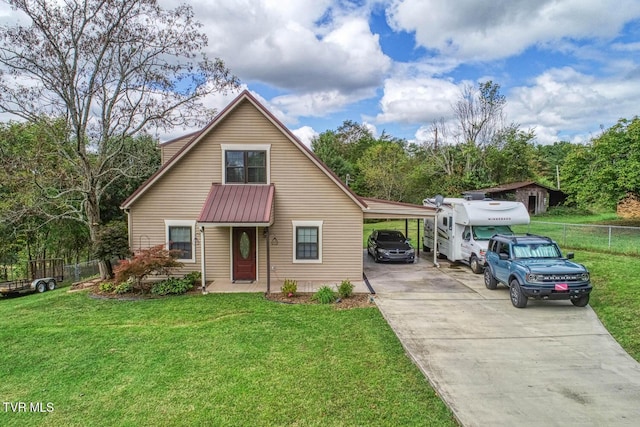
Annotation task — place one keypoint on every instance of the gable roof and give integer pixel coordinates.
(229, 109)
(512, 186)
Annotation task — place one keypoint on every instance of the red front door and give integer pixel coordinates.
(244, 254)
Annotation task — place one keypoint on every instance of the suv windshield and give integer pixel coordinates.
(536, 250)
(485, 232)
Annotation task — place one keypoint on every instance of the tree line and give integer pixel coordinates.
(479, 150)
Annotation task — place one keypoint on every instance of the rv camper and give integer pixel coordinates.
(465, 227)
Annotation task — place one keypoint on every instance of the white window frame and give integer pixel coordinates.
(245, 147)
(297, 224)
(182, 223)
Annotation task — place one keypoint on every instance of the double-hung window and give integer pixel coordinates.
(246, 167)
(180, 236)
(307, 241)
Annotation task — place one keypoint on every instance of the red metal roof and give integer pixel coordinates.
(239, 204)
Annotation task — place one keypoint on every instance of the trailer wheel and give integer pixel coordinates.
(425, 248)
(41, 286)
(51, 284)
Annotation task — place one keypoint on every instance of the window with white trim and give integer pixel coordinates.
(245, 163)
(180, 235)
(307, 241)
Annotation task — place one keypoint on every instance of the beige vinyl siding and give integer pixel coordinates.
(177, 195)
(303, 192)
(169, 149)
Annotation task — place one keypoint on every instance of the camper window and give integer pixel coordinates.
(485, 232)
(466, 235)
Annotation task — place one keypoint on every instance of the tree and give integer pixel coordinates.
(332, 152)
(480, 112)
(602, 173)
(550, 158)
(111, 70)
(384, 168)
(511, 157)
(112, 243)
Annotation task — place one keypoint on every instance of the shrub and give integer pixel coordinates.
(107, 287)
(195, 278)
(563, 210)
(172, 286)
(345, 290)
(290, 287)
(156, 259)
(124, 287)
(325, 295)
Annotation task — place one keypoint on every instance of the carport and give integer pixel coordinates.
(385, 209)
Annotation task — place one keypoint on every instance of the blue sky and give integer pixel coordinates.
(566, 67)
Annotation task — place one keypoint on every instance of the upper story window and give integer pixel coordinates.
(246, 164)
(248, 167)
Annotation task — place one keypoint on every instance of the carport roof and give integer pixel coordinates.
(385, 209)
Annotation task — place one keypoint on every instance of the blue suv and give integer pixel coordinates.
(533, 267)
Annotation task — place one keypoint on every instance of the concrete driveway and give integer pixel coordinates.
(550, 364)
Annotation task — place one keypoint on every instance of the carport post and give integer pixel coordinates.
(418, 242)
(435, 239)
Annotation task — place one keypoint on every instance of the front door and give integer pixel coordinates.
(244, 254)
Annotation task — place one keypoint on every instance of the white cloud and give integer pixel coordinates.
(417, 100)
(564, 104)
(476, 30)
(302, 46)
(305, 134)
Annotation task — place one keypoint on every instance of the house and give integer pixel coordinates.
(246, 201)
(536, 197)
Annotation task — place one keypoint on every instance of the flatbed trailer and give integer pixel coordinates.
(44, 275)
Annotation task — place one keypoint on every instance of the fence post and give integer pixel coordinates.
(564, 234)
(609, 237)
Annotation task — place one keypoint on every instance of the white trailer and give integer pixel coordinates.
(465, 227)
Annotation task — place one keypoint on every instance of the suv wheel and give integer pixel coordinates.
(475, 265)
(580, 301)
(489, 281)
(518, 299)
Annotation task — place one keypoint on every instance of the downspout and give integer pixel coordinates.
(203, 273)
(129, 228)
(267, 235)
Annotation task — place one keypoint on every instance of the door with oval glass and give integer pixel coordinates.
(244, 253)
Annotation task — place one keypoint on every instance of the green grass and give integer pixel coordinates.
(396, 224)
(615, 297)
(219, 359)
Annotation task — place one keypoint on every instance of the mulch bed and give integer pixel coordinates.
(354, 301)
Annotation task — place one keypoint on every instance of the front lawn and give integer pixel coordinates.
(219, 359)
(616, 296)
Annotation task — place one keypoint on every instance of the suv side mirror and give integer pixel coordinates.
(569, 255)
(503, 257)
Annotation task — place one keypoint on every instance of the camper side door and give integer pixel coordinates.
(467, 245)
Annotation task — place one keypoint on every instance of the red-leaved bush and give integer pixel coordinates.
(156, 259)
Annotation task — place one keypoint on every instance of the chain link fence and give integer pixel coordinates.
(599, 238)
(81, 271)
